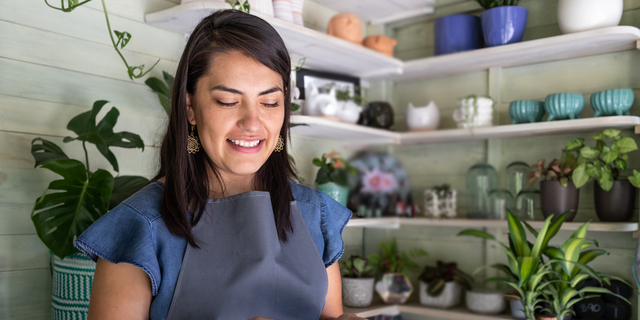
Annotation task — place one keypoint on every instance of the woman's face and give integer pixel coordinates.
(238, 110)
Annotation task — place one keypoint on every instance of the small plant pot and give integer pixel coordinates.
(526, 111)
(486, 301)
(616, 205)
(357, 292)
(556, 199)
(394, 288)
(615, 102)
(457, 33)
(517, 309)
(564, 106)
(72, 279)
(503, 25)
(582, 15)
(335, 191)
(449, 297)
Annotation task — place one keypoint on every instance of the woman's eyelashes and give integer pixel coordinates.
(271, 105)
(232, 104)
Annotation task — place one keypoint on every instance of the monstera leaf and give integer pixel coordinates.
(123, 187)
(102, 135)
(46, 151)
(69, 206)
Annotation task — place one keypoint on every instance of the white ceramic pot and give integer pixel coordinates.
(486, 301)
(474, 112)
(282, 10)
(450, 296)
(582, 15)
(357, 292)
(320, 104)
(349, 111)
(423, 118)
(262, 6)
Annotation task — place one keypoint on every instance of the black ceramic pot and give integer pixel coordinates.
(617, 311)
(556, 199)
(617, 204)
(620, 288)
(378, 115)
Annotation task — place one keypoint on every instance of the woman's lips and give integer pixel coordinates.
(246, 146)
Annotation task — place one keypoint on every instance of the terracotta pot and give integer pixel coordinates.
(346, 26)
(616, 205)
(382, 44)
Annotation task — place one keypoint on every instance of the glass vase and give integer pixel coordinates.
(480, 180)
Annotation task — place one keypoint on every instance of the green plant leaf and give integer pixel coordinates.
(123, 187)
(580, 176)
(575, 144)
(609, 155)
(527, 267)
(581, 232)
(620, 164)
(46, 151)
(598, 137)
(323, 175)
(518, 235)
(101, 134)
(435, 287)
(318, 162)
(123, 38)
(626, 145)
(571, 248)
(295, 107)
(168, 79)
(611, 133)
(69, 206)
(554, 253)
(635, 179)
(606, 179)
(564, 181)
(589, 152)
(594, 171)
(539, 245)
(603, 291)
(530, 228)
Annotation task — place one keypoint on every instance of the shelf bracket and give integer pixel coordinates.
(638, 44)
(637, 130)
(636, 234)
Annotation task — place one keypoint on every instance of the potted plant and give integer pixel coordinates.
(333, 176)
(503, 22)
(393, 268)
(441, 286)
(558, 193)
(582, 15)
(614, 196)
(357, 282)
(70, 205)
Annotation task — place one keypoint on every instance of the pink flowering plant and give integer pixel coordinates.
(333, 169)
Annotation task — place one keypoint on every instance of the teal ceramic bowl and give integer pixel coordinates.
(562, 106)
(615, 102)
(526, 111)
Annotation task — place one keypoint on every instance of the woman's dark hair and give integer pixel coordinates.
(186, 176)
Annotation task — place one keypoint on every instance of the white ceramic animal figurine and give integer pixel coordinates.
(423, 118)
(321, 104)
(349, 111)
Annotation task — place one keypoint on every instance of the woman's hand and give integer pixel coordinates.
(349, 316)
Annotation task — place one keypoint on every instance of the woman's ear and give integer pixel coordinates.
(191, 114)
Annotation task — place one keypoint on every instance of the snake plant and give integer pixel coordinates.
(488, 4)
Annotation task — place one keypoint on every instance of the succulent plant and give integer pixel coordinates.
(356, 267)
(437, 277)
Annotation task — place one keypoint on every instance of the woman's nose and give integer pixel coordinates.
(250, 120)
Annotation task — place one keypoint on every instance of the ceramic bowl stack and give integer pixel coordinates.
(474, 112)
(563, 106)
(526, 111)
(283, 10)
(612, 102)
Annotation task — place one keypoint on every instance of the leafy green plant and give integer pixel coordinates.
(603, 163)
(488, 4)
(525, 259)
(70, 205)
(559, 169)
(356, 267)
(162, 88)
(394, 261)
(570, 272)
(436, 277)
(345, 94)
(134, 72)
(333, 169)
(240, 6)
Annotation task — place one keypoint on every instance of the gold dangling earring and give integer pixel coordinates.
(193, 146)
(279, 145)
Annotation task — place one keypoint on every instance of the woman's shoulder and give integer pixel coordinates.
(305, 194)
(145, 201)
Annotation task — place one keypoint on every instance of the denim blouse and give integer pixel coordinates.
(135, 233)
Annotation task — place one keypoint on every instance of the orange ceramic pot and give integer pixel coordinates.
(346, 26)
(382, 44)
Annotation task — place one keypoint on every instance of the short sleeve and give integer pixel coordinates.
(334, 218)
(123, 235)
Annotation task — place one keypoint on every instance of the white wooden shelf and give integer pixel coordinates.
(380, 12)
(396, 222)
(395, 309)
(321, 50)
(352, 134)
(568, 46)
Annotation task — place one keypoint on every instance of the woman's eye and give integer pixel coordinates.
(271, 105)
(227, 104)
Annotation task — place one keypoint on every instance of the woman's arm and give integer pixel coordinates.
(120, 291)
(333, 301)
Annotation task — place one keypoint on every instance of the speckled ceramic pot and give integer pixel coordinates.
(486, 301)
(562, 106)
(357, 292)
(615, 102)
(526, 111)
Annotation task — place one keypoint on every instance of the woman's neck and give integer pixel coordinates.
(232, 185)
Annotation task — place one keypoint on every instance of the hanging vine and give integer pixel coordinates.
(134, 72)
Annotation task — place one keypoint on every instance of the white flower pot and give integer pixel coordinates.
(486, 301)
(450, 296)
(582, 15)
(357, 292)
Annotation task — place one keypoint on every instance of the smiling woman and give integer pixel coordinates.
(221, 232)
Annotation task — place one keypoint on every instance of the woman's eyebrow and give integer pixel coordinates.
(235, 91)
(272, 90)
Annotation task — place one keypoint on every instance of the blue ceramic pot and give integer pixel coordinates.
(562, 106)
(526, 111)
(503, 25)
(457, 33)
(335, 191)
(612, 102)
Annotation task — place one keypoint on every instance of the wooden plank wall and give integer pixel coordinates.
(431, 165)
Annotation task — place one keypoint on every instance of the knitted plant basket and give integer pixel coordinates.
(72, 280)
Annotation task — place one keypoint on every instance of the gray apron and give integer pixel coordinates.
(242, 270)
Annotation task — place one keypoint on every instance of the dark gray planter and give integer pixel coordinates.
(556, 199)
(617, 204)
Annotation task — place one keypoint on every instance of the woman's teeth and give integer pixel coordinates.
(246, 144)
